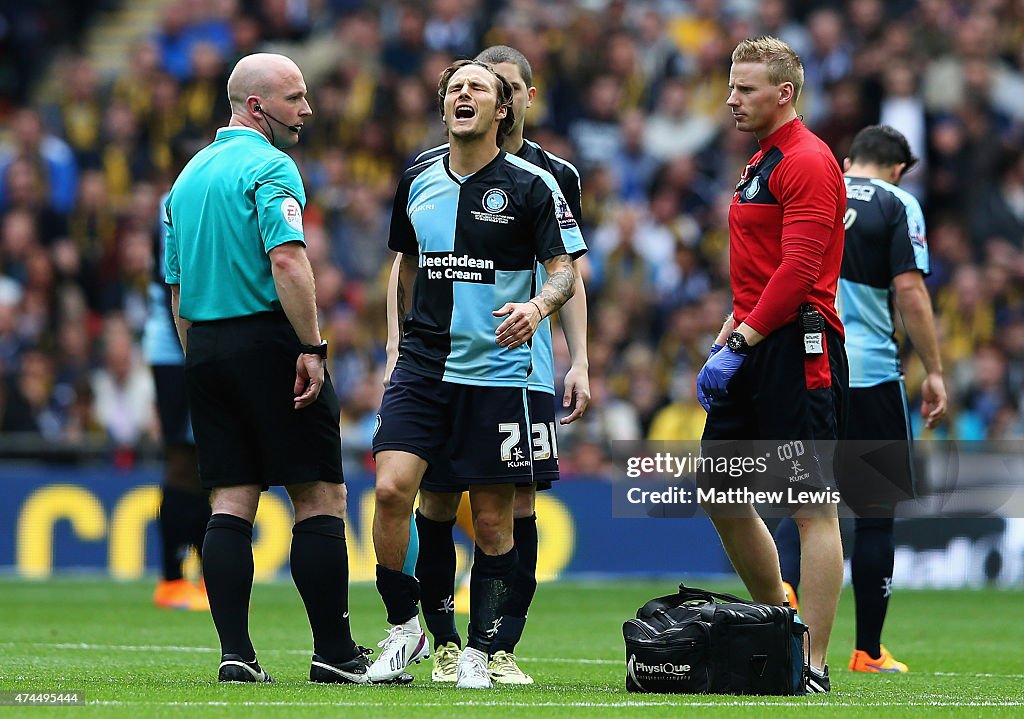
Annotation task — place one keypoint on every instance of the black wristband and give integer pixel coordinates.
(319, 350)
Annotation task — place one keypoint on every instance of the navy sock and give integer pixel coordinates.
(490, 588)
(510, 631)
(787, 540)
(177, 510)
(228, 569)
(400, 593)
(871, 567)
(319, 564)
(435, 568)
(198, 517)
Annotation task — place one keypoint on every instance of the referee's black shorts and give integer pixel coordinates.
(240, 376)
(785, 407)
(875, 467)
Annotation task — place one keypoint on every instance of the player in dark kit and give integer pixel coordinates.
(184, 505)
(781, 376)
(471, 226)
(884, 265)
(439, 498)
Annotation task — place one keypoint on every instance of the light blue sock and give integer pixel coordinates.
(413, 552)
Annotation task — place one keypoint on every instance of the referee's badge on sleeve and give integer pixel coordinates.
(292, 212)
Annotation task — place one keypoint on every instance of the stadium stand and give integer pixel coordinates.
(100, 102)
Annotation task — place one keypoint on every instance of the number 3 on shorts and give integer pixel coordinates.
(545, 441)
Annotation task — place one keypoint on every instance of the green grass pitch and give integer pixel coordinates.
(965, 650)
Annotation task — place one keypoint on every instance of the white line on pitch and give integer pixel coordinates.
(623, 704)
(538, 660)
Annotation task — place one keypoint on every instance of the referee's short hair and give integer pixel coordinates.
(881, 145)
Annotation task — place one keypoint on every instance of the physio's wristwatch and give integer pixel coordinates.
(737, 343)
(319, 350)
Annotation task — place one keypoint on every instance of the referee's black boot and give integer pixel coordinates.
(351, 672)
(235, 669)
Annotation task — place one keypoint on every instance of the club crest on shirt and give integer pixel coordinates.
(752, 188)
(495, 200)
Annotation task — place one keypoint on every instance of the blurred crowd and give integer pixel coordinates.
(631, 92)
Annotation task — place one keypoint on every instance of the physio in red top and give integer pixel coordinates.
(786, 233)
(777, 374)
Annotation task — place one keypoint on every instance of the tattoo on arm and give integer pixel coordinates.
(561, 282)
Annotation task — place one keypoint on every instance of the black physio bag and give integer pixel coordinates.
(697, 642)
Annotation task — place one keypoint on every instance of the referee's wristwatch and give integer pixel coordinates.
(319, 350)
(738, 343)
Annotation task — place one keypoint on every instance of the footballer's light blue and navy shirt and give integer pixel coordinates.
(542, 374)
(478, 240)
(160, 343)
(885, 237)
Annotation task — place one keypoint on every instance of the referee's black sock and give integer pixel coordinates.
(871, 568)
(227, 569)
(319, 563)
(787, 540)
(176, 530)
(510, 631)
(400, 593)
(435, 568)
(490, 588)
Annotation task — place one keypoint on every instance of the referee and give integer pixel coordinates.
(264, 411)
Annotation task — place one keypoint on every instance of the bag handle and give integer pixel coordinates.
(687, 593)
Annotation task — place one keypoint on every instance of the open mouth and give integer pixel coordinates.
(464, 112)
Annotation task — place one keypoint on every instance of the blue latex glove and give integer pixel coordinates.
(715, 349)
(715, 375)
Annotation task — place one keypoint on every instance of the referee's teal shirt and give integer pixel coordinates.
(236, 200)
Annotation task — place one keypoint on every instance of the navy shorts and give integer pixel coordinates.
(481, 428)
(545, 451)
(172, 404)
(876, 469)
(240, 377)
(783, 408)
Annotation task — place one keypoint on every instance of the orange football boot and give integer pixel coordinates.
(864, 662)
